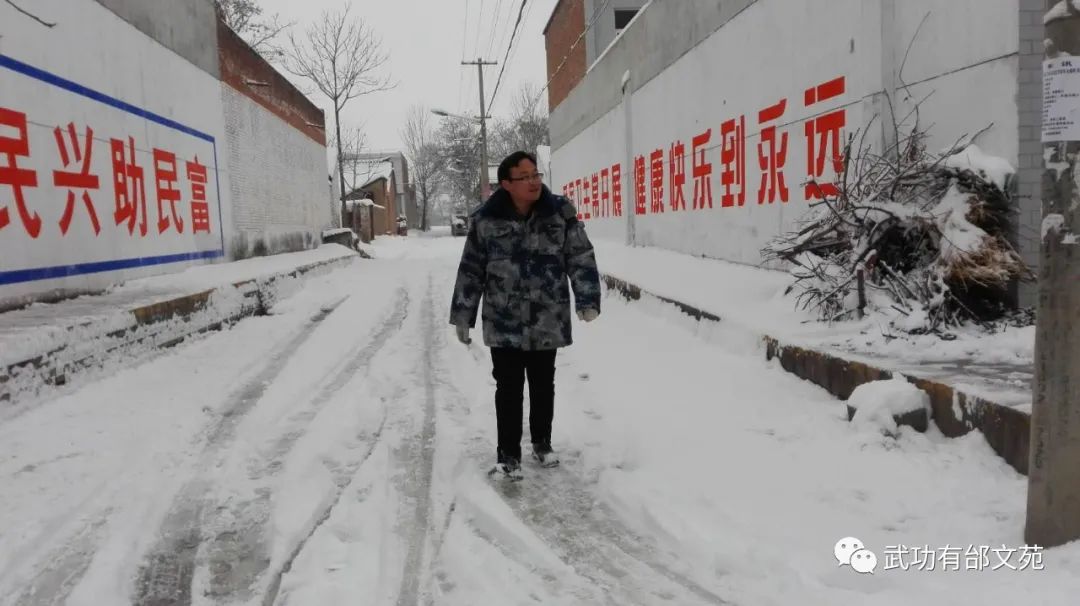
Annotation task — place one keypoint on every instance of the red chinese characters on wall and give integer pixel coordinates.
(586, 198)
(14, 178)
(702, 172)
(772, 155)
(639, 185)
(733, 158)
(677, 175)
(79, 155)
(616, 190)
(656, 181)
(823, 139)
(200, 208)
(77, 186)
(605, 192)
(167, 191)
(130, 187)
(595, 180)
(653, 194)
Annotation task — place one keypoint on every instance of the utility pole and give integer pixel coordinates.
(1053, 507)
(485, 187)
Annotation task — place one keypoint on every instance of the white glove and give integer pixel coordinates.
(587, 315)
(463, 334)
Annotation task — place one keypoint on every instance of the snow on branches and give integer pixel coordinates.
(919, 237)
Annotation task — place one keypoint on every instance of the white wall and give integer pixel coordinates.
(775, 50)
(122, 84)
(277, 178)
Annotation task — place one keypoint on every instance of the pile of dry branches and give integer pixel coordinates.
(920, 237)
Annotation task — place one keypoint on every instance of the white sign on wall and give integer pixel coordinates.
(91, 182)
(1061, 100)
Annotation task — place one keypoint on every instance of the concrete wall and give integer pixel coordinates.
(603, 32)
(185, 27)
(163, 89)
(94, 70)
(705, 70)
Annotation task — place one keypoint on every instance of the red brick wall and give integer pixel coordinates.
(240, 64)
(565, 26)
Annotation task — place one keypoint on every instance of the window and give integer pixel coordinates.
(623, 17)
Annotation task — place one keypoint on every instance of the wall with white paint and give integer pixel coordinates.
(155, 125)
(774, 54)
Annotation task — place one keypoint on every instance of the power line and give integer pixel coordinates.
(497, 29)
(528, 11)
(479, 28)
(595, 18)
(464, 47)
(498, 81)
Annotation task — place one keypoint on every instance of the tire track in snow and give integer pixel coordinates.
(559, 508)
(65, 567)
(418, 454)
(237, 553)
(343, 479)
(165, 578)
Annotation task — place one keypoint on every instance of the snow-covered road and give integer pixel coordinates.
(335, 452)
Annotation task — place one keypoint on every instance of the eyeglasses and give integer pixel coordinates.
(536, 177)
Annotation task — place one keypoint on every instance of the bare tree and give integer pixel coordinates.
(245, 18)
(424, 157)
(526, 129)
(353, 142)
(343, 58)
(459, 155)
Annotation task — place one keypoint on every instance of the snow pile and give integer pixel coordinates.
(878, 404)
(1062, 10)
(919, 239)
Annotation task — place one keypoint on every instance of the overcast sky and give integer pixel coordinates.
(426, 41)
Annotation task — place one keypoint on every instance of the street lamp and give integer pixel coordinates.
(485, 186)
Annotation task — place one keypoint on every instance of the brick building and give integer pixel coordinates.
(377, 181)
(572, 45)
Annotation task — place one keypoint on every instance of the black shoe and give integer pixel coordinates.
(543, 453)
(507, 465)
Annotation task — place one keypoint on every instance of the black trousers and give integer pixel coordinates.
(510, 367)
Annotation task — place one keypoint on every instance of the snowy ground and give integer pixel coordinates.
(997, 366)
(335, 453)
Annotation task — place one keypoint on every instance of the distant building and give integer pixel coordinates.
(405, 190)
(376, 181)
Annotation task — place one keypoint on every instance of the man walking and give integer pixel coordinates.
(523, 246)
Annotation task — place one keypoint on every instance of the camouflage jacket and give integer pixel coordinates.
(523, 268)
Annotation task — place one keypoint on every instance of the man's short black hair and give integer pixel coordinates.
(511, 161)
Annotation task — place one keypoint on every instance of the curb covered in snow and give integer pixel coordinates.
(955, 412)
(161, 324)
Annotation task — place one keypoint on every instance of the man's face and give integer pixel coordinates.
(524, 183)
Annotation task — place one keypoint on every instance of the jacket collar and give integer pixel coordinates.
(501, 205)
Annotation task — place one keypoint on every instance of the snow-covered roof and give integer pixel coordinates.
(337, 230)
(370, 172)
(366, 202)
(397, 158)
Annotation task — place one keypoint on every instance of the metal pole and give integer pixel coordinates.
(485, 186)
(628, 172)
(1053, 507)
